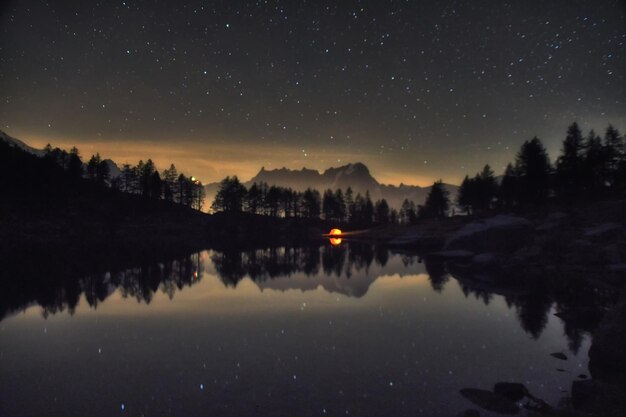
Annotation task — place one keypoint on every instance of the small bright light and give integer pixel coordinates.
(335, 232)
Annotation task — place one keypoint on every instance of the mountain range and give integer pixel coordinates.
(355, 175)
(19, 144)
(114, 170)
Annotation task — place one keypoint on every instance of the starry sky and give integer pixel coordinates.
(417, 90)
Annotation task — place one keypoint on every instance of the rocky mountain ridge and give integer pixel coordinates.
(354, 175)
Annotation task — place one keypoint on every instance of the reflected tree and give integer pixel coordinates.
(437, 274)
(333, 259)
(532, 312)
(61, 292)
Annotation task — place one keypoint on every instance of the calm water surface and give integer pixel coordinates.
(350, 330)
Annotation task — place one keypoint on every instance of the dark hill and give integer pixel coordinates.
(75, 225)
(46, 213)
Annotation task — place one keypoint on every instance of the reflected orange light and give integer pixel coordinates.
(335, 241)
(335, 232)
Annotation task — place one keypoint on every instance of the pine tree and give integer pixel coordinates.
(349, 199)
(75, 165)
(508, 188)
(614, 152)
(340, 206)
(230, 195)
(533, 169)
(328, 203)
(595, 165)
(169, 178)
(486, 188)
(92, 167)
(382, 211)
(253, 199)
(570, 165)
(464, 195)
(368, 210)
(102, 172)
(437, 202)
(408, 212)
(311, 202)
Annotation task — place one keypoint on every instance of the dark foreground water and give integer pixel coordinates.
(339, 331)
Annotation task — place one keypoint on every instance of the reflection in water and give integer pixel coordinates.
(347, 267)
(335, 241)
(291, 330)
(579, 305)
(344, 269)
(140, 282)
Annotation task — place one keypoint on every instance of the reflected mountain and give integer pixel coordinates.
(348, 269)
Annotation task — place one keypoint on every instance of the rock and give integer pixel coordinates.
(490, 401)
(581, 245)
(557, 215)
(485, 260)
(585, 392)
(511, 390)
(612, 254)
(452, 254)
(497, 234)
(553, 221)
(617, 267)
(547, 226)
(559, 355)
(607, 355)
(582, 251)
(596, 396)
(469, 413)
(407, 239)
(605, 231)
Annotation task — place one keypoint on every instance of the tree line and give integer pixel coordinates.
(588, 167)
(338, 206)
(143, 179)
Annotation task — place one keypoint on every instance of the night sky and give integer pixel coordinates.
(417, 90)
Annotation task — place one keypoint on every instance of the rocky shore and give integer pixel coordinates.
(557, 249)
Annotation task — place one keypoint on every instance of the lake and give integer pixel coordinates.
(322, 330)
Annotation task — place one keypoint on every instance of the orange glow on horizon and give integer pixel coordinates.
(335, 232)
(214, 158)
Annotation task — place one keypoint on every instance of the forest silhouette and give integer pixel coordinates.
(587, 168)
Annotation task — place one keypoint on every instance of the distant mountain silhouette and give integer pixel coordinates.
(19, 144)
(355, 175)
(114, 170)
(51, 214)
